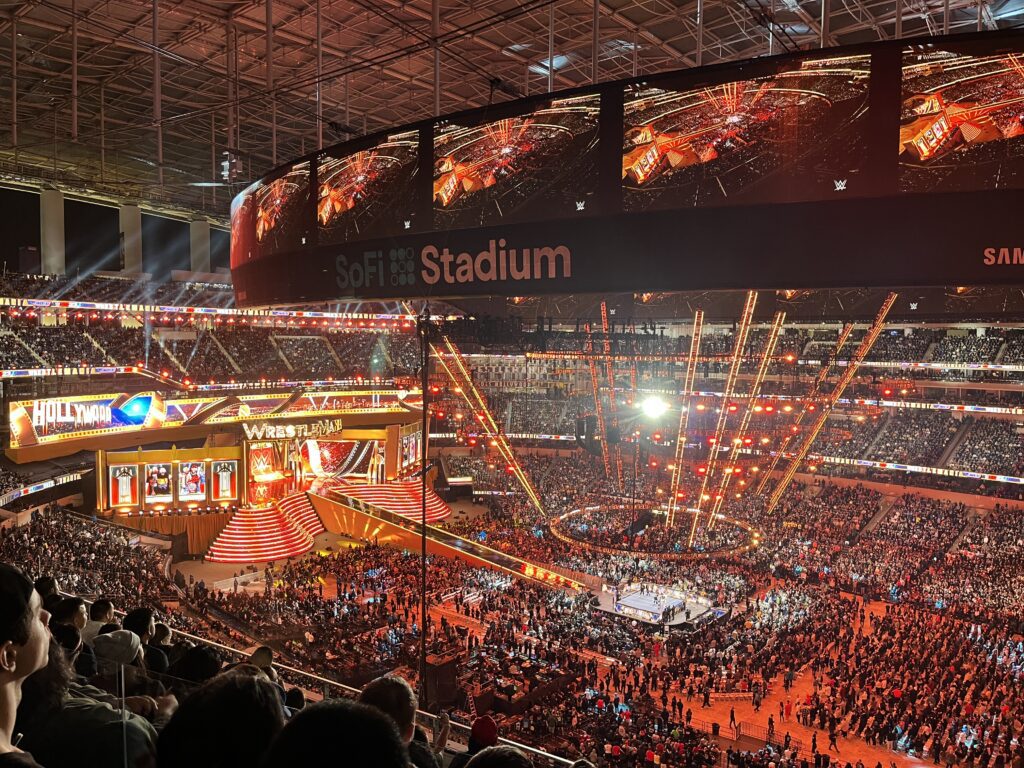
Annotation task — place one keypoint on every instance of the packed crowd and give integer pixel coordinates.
(202, 352)
(914, 437)
(113, 289)
(990, 446)
(11, 480)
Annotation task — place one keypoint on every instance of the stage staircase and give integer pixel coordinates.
(260, 536)
(299, 509)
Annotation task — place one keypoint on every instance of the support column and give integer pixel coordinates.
(129, 217)
(51, 231)
(319, 76)
(551, 48)
(158, 96)
(14, 85)
(74, 70)
(199, 245)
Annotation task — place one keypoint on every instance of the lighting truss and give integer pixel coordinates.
(755, 390)
(612, 407)
(723, 414)
(851, 370)
(596, 385)
(812, 395)
(459, 374)
(684, 416)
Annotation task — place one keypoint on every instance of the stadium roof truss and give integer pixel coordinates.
(148, 98)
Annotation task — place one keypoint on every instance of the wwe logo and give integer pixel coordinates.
(913, 305)
(840, 184)
(581, 204)
(407, 223)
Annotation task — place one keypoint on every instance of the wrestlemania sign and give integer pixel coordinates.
(887, 164)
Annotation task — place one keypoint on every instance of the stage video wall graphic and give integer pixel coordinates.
(34, 422)
(961, 119)
(158, 484)
(539, 164)
(224, 477)
(192, 481)
(369, 192)
(783, 137)
(123, 484)
(55, 419)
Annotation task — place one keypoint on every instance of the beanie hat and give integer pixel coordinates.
(120, 647)
(485, 731)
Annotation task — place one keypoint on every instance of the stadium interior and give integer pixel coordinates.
(264, 501)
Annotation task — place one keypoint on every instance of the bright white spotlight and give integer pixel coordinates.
(653, 407)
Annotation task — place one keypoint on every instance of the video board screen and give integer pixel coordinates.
(53, 420)
(540, 164)
(961, 120)
(123, 484)
(788, 136)
(224, 478)
(269, 217)
(370, 192)
(192, 481)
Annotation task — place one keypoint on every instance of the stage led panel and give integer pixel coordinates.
(535, 165)
(192, 481)
(157, 483)
(123, 485)
(368, 193)
(798, 133)
(224, 479)
(961, 120)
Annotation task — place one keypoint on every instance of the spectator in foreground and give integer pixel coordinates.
(24, 642)
(483, 734)
(366, 738)
(100, 612)
(500, 757)
(142, 621)
(66, 725)
(228, 721)
(393, 696)
(72, 612)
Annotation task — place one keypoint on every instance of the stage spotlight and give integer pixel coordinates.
(654, 407)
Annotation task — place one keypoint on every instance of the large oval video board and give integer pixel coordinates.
(886, 164)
